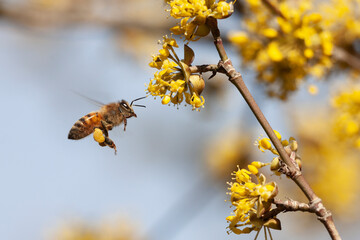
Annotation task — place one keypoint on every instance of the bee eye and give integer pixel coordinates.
(125, 105)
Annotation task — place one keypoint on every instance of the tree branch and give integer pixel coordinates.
(273, 8)
(206, 68)
(293, 172)
(286, 206)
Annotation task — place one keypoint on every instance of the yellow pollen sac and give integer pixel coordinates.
(166, 99)
(284, 142)
(242, 175)
(98, 135)
(258, 164)
(253, 169)
(250, 185)
(278, 135)
(265, 143)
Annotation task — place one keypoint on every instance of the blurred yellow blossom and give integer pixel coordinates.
(119, 229)
(229, 148)
(347, 114)
(284, 49)
(313, 89)
(331, 164)
(342, 18)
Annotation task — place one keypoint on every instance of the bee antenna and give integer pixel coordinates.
(136, 105)
(137, 100)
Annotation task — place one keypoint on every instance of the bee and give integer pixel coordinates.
(107, 117)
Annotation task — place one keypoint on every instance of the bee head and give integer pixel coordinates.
(126, 108)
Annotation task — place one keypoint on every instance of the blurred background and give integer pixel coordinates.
(168, 180)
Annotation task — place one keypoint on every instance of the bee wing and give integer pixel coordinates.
(97, 103)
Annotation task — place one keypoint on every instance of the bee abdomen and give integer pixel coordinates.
(85, 126)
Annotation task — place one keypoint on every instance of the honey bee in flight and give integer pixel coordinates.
(108, 116)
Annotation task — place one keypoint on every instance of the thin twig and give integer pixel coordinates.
(273, 8)
(287, 206)
(346, 57)
(206, 68)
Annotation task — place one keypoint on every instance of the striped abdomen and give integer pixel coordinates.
(85, 126)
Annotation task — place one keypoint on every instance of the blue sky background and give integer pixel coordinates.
(46, 179)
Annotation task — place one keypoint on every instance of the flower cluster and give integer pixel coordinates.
(290, 146)
(174, 81)
(252, 200)
(285, 48)
(347, 122)
(193, 15)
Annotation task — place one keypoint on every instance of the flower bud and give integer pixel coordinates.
(198, 83)
(166, 99)
(273, 223)
(202, 30)
(294, 145)
(278, 135)
(298, 162)
(265, 143)
(275, 164)
(288, 150)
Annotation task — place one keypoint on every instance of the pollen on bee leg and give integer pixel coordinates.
(98, 135)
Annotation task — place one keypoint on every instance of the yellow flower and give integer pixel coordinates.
(250, 199)
(264, 144)
(197, 101)
(193, 14)
(174, 80)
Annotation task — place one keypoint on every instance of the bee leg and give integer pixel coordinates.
(125, 123)
(106, 127)
(110, 143)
